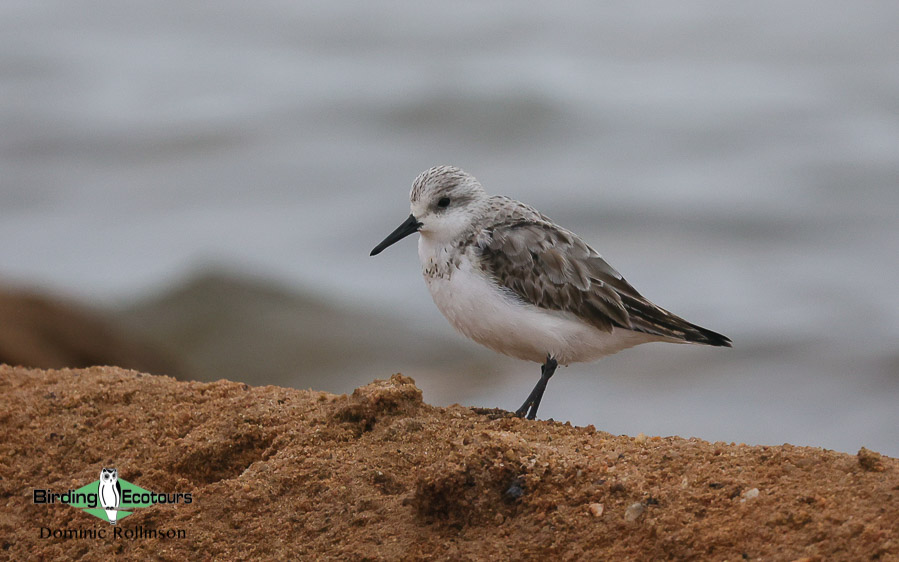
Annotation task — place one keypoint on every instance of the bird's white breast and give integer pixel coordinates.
(478, 308)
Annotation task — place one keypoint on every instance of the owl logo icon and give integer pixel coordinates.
(110, 492)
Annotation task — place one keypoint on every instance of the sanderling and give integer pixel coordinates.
(510, 279)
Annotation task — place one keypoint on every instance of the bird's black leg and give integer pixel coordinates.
(533, 402)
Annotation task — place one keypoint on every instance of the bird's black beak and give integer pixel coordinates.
(410, 226)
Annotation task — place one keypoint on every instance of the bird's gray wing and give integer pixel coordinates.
(552, 268)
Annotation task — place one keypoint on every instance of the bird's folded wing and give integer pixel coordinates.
(552, 268)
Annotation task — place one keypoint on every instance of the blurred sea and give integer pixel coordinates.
(739, 164)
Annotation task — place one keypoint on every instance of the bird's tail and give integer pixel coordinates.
(651, 319)
(701, 335)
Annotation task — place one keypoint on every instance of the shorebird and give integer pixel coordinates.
(509, 278)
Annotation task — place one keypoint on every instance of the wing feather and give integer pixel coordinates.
(552, 268)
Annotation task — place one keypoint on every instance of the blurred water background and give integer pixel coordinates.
(213, 177)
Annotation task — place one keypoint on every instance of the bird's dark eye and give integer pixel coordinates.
(443, 203)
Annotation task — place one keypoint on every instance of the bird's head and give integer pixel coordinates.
(444, 202)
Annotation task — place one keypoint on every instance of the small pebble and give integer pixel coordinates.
(640, 438)
(750, 494)
(634, 511)
(595, 509)
(515, 491)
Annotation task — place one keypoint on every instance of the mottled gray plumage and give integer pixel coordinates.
(552, 268)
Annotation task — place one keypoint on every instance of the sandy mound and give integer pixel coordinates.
(287, 474)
